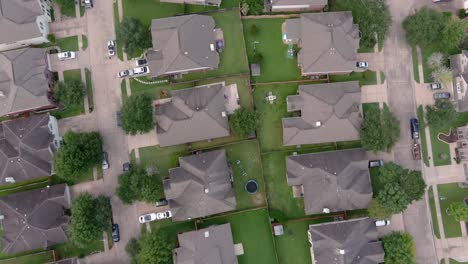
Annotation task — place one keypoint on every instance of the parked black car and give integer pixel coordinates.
(162, 202)
(115, 233)
(414, 123)
(119, 118)
(126, 166)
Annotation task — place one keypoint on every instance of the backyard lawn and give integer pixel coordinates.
(435, 222)
(450, 193)
(73, 110)
(171, 229)
(364, 78)
(252, 229)
(68, 43)
(275, 65)
(145, 11)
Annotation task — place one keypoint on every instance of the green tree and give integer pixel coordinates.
(399, 248)
(155, 249)
(459, 211)
(391, 128)
(103, 206)
(377, 211)
(380, 130)
(137, 114)
(133, 36)
(244, 122)
(441, 113)
(137, 185)
(413, 185)
(69, 93)
(391, 172)
(393, 198)
(83, 227)
(132, 248)
(453, 33)
(79, 152)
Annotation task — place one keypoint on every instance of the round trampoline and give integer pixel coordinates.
(251, 186)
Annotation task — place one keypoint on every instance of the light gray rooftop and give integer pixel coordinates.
(347, 242)
(23, 83)
(18, 20)
(25, 148)
(212, 245)
(201, 186)
(182, 43)
(329, 42)
(335, 105)
(193, 114)
(337, 180)
(34, 219)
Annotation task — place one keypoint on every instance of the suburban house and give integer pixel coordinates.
(212, 245)
(26, 148)
(458, 64)
(346, 242)
(330, 181)
(24, 23)
(461, 150)
(25, 81)
(192, 114)
(202, 185)
(183, 44)
(328, 42)
(195, 2)
(329, 112)
(35, 219)
(297, 5)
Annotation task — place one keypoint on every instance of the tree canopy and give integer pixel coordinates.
(137, 114)
(133, 35)
(70, 92)
(377, 211)
(78, 153)
(459, 211)
(399, 248)
(441, 113)
(432, 28)
(244, 122)
(137, 185)
(380, 130)
(393, 198)
(154, 248)
(90, 216)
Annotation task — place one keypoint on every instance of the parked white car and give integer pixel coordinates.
(111, 48)
(141, 70)
(163, 215)
(125, 73)
(147, 218)
(382, 222)
(67, 55)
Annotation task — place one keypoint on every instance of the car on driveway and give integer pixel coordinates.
(163, 215)
(162, 202)
(141, 70)
(111, 48)
(375, 163)
(67, 55)
(141, 62)
(442, 95)
(435, 86)
(115, 233)
(362, 64)
(119, 118)
(126, 166)
(147, 218)
(382, 222)
(125, 73)
(105, 161)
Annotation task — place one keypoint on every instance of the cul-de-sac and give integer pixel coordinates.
(234, 131)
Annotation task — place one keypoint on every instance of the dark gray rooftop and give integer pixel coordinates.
(26, 146)
(336, 106)
(193, 114)
(18, 20)
(212, 245)
(337, 180)
(348, 242)
(181, 44)
(201, 186)
(34, 219)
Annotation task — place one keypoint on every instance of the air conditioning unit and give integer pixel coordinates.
(326, 210)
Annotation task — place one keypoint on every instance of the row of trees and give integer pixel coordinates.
(400, 187)
(380, 130)
(139, 185)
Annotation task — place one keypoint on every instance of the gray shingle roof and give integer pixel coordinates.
(337, 180)
(193, 114)
(182, 44)
(25, 148)
(335, 105)
(212, 245)
(18, 20)
(348, 242)
(23, 80)
(201, 186)
(329, 42)
(34, 219)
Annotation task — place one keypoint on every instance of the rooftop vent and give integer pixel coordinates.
(207, 190)
(212, 47)
(2, 94)
(326, 210)
(318, 124)
(223, 113)
(186, 52)
(341, 251)
(207, 234)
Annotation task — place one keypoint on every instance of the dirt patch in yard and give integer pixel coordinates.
(451, 137)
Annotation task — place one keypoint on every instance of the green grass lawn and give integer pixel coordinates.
(364, 78)
(252, 229)
(35, 258)
(151, 9)
(377, 185)
(73, 110)
(68, 11)
(422, 127)
(414, 53)
(171, 229)
(123, 90)
(68, 43)
(85, 42)
(68, 250)
(450, 193)
(382, 77)
(246, 164)
(82, 10)
(435, 222)
(275, 65)
(89, 90)
(116, 26)
(452, 261)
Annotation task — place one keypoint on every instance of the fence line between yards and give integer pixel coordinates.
(271, 16)
(293, 81)
(22, 186)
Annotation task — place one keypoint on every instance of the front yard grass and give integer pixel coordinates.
(275, 65)
(73, 110)
(364, 78)
(435, 222)
(450, 193)
(414, 55)
(89, 90)
(422, 129)
(68, 43)
(69, 11)
(84, 42)
(252, 229)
